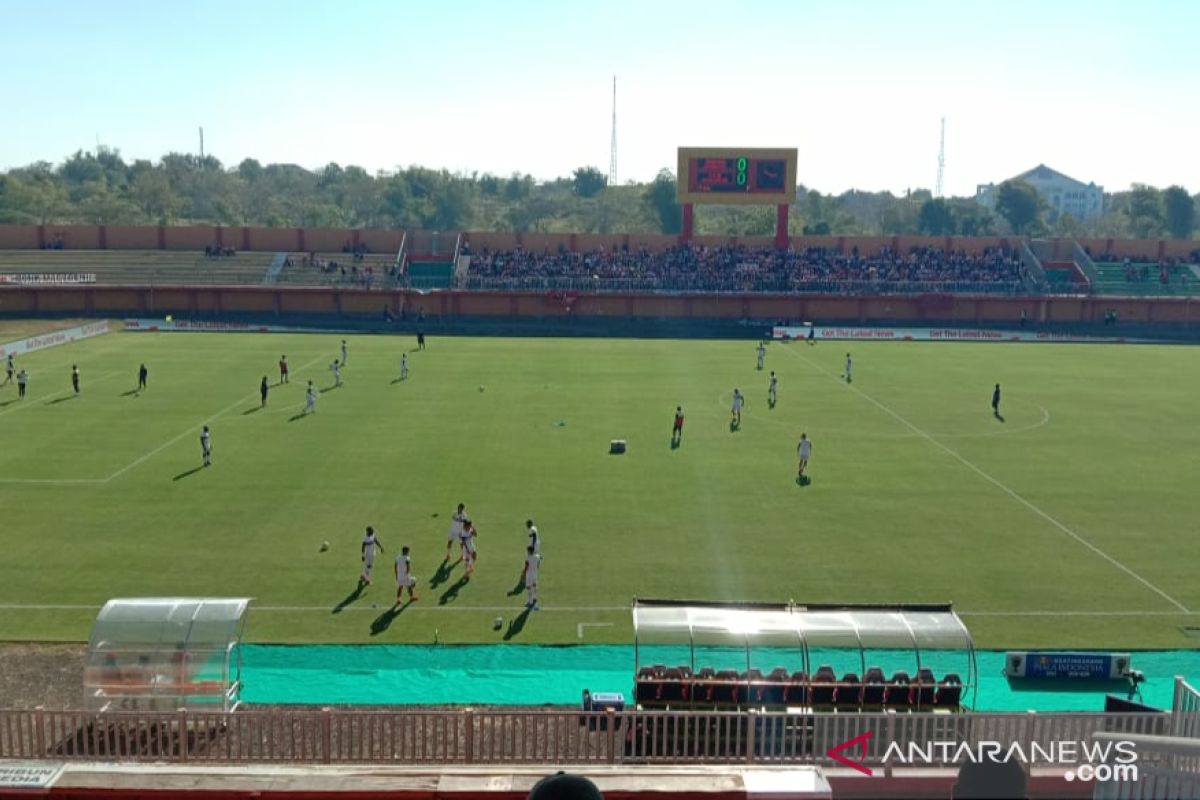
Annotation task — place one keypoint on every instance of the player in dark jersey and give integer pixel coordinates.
(142, 373)
(677, 428)
(75, 378)
(262, 389)
(996, 402)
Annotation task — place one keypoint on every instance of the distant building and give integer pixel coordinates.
(1062, 194)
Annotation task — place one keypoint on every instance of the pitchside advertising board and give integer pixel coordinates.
(1090, 666)
(66, 336)
(788, 332)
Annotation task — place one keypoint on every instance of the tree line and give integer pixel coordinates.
(180, 189)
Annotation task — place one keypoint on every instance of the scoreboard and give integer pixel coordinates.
(736, 175)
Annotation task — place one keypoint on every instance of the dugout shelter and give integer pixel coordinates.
(166, 653)
(816, 657)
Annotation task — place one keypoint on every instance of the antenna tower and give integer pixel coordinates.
(937, 191)
(612, 153)
(202, 144)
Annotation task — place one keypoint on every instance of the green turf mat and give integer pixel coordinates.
(536, 675)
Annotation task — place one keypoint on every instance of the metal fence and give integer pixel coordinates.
(529, 737)
(728, 285)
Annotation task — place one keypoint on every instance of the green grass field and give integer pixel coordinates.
(1071, 524)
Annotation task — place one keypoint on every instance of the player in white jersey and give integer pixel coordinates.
(456, 527)
(762, 354)
(849, 367)
(343, 352)
(736, 409)
(336, 367)
(773, 389)
(533, 562)
(404, 576)
(310, 399)
(466, 540)
(803, 451)
(370, 545)
(535, 541)
(206, 446)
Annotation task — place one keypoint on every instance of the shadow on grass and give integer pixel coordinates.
(998, 415)
(331, 388)
(61, 400)
(518, 587)
(131, 392)
(675, 443)
(451, 593)
(399, 380)
(443, 573)
(803, 480)
(188, 472)
(734, 425)
(252, 410)
(9, 402)
(384, 620)
(295, 417)
(350, 598)
(517, 625)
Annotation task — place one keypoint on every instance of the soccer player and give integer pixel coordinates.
(849, 366)
(142, 373)
(533, 562)
(75, 378)
(310, 399)
(403, 366)
(262, 390)
(420, 339)
(535, 540)
(337, 372)
(370, 544)
(9, 369)
(773, 389)
(803, 451)
(812, 334)
(996, 402)
(22, 378)
(466, 540)
(404, 576)
(456, 525)
(206, 446)
(343, 352)
(283, 369)
(677, 428)
(738, 402)
(762, 354)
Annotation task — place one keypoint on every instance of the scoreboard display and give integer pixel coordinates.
(736, 175)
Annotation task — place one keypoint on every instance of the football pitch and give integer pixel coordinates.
(1071, 523)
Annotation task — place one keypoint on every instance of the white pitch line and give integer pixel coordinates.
(579, 628)
(1114, 562)
(190, 431)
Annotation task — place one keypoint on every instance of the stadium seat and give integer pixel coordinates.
(924, 689)
(796, 693)
(824, 683)
(949, 692)
(727, 687)
(849, 692)
(873, 687)
(898, 693)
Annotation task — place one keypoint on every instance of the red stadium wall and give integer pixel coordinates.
(266, 301)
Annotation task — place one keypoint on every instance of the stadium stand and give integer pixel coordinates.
(367, 270)
(742, 269)
(1147, 278)
(139, 267)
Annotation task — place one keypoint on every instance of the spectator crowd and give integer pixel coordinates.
(689, 268)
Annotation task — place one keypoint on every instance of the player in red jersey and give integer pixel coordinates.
(677, 428)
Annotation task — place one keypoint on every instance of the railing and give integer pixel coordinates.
(1086, 265)
(733, 285)
(533, 737)
(402, 256)
(1165, 768)
(1033, 266)
(1185, 710)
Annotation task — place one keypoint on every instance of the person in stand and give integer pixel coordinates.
(283, 369)
(75, 378)
(677, 427)
(263, 388)
(142, 374)
(206, 446)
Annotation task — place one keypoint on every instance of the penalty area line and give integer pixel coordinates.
(1002, 487)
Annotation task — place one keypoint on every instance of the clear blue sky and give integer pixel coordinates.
(1103, 91)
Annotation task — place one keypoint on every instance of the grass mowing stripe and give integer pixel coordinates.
(997, 484)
